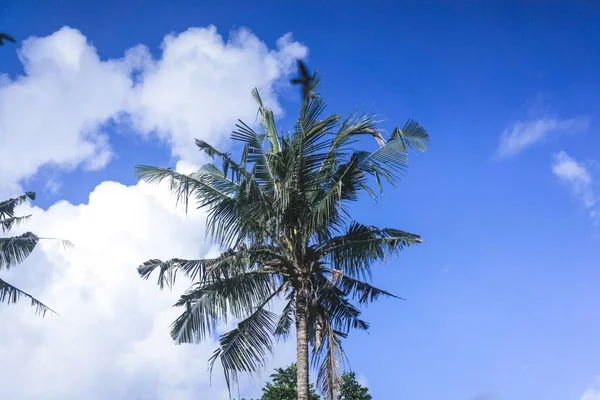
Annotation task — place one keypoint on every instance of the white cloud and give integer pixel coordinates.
(201, 85)
(112, 337)
(55, 112)
(524, 134)
(580, 181)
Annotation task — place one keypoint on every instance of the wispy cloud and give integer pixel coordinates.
(591, 394)
(524, 134)
(593, 391)
(580, 181)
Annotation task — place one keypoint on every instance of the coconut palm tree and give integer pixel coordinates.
(282, 216)
(14, 250)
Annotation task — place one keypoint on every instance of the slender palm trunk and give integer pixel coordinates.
(302, 347)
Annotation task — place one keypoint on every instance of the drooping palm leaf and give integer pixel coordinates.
(218, 299)
(10, 294)
(244, 349)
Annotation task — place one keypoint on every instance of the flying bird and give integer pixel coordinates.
(305, 79)
(4, 36)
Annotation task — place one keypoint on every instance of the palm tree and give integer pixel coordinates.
(14, 250)
(281, 214)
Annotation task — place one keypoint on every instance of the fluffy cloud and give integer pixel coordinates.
(53, 113)
(524, 134)
(580, 181)
(56, 111)
(111, 339)
(202, 85)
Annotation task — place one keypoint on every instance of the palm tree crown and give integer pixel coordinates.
(282, 216)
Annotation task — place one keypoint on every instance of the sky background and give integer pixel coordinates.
(502, 299)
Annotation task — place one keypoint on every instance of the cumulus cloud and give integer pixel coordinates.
(56, 111)
(524, 134)
(111, 339)
(201, 85)
(53, 113)
(579, 180)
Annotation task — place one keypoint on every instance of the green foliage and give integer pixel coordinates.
(14, 250)
(284, 385)
(282, 216)
(351, 389)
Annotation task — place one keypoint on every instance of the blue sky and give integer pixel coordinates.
(502, 300)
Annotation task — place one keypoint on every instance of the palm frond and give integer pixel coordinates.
(361, 245)
(14, 250)
(10, 294)
(388, 161)
(330, 357)
(185, 187)
(342, 315)
(7, 207)
(6, 224)
(168, 270)
(328, 210)
(237, 170)
(358, 290)
(286, 319)
(354, 126)
(331, 303)
(413, 135)
(244, 348)
(230, 261)
(268, 123)
(215, 299)
(255, 153)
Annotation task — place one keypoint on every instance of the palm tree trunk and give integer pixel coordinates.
(302, 347)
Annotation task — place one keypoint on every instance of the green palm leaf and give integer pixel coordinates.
(244, 348)
(10, 294)
(14, 250)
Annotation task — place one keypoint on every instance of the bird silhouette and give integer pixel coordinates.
(305, 79)
(4, 36)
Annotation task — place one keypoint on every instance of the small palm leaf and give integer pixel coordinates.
(413, 135)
